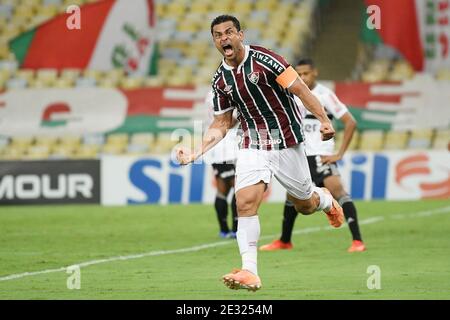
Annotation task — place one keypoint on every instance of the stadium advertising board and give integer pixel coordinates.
(390, 175)
(153, 180)
(49, 182)
(397, 175)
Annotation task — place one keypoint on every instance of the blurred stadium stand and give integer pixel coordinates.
(187, 54)
(188, 58)
(383, 63)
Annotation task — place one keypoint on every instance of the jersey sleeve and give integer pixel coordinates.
(333, 105)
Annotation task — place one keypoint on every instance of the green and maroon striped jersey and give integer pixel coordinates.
(269, 116)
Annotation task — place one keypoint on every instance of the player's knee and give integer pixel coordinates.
(338, 193)
(244, 204)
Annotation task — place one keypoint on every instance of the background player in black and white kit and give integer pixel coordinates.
(322, 159)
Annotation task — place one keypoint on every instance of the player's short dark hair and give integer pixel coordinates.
(306, 62)
(224, 18)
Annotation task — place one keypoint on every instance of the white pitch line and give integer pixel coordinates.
(118, 258)
(425, 213)
(375, 219)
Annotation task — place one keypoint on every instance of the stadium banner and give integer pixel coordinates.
(407, 105)
(110, 34)
(401, 175)
(57, 112)
(386, 106)
(420, 33)
(49, 182)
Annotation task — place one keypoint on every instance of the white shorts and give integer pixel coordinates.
(289, 166)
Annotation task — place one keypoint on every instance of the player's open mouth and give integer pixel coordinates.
(227, 50)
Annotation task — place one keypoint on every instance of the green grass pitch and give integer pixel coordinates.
(184, 258)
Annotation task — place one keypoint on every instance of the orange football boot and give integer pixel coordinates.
(276, 245)
(357, 246)
(336, 214)
(242, 279)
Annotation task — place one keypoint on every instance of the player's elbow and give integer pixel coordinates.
(352, 125)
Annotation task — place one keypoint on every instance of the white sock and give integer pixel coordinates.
(247, 237)
(326, 200)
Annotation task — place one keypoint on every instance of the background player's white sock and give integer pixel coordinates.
(247, 237)
(326, 200)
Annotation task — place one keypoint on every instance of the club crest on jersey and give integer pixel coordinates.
(253, 77)
(227, 89)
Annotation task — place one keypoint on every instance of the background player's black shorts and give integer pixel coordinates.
(320, 171)
(224, 171)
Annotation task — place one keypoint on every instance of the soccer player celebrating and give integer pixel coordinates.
(261, 85)
(321, 159)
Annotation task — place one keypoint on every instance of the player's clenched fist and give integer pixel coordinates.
(327, 131)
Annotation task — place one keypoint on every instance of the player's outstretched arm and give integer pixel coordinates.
(216, 131)
(301, 90)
